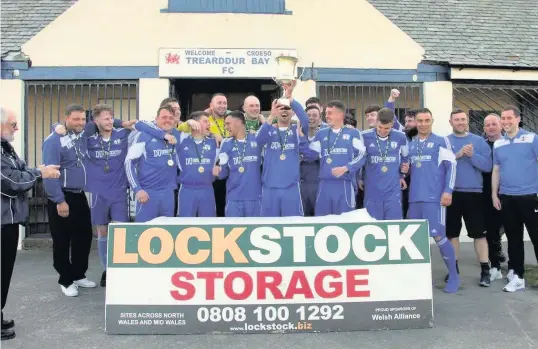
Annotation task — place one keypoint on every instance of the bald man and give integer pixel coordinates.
(253, 118)
(492, 132)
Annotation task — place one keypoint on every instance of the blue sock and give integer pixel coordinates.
(102, 247)
(449, 256)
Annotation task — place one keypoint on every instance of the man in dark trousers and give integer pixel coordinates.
(68, 209)
(17, 180)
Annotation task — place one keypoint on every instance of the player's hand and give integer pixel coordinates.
(170, 138)
(63, 209)
(361, 184)
(216, 171)
(142, 196)
(299, 129)
(49, 171)
(403, 184)
(339, 171)
(446, 199)
(194, 125)
(468, 150)
(404, 168)
(496, 202)
(128, 124)
(394, 94)
(60, 129)
(288, 89)
(276, 110)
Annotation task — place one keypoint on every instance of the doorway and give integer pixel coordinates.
(195, 94)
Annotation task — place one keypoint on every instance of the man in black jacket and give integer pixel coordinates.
(17, 180)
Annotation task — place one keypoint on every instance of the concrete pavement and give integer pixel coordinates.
(473, 318)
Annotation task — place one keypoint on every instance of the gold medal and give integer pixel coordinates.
(170, 162)
(384, 169)
(282, 157)
(329, 160)
(419, 164)
(201, 169)
(241, 169)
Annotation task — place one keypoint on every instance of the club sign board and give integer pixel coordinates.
(268, 275)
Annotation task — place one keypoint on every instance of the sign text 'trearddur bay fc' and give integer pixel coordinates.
(259, 275)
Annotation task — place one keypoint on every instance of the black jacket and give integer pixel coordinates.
(17, 180)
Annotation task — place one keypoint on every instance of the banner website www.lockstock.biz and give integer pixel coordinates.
(243, 278)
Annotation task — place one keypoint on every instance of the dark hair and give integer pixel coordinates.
(313, 100)
(338, 105)
(411, 113)
(217, 95)
(457, 111)
(169, 100)
(99, 108)
(350, 120)
(165, 107)
(237, 114)
(197, 115)
(310, 107)
(513, 108)
(371, 108)
(385, 116)
(74, 107)
(423, 111)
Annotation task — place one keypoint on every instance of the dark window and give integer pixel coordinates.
(228, 6)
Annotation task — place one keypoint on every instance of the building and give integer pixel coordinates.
(477, 55)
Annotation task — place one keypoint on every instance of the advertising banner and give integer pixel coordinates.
(268, 275)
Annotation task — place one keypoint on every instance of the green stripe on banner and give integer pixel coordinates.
(272, 245)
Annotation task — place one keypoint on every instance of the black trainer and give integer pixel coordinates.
(103, 279)
(7, 324)
(485, 280)
(8, 334)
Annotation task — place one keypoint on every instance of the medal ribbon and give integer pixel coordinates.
(222, 132)
(383, 155)
(170, 153)
(283, 145)
(330, 149)
(105, 152)
(421, 150)
(241, 156)
(76, 146)
(200, 157)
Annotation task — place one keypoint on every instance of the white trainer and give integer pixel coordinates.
(510, 275)
(70, 291)
(516, 284)
(495, 274)
(85, 283)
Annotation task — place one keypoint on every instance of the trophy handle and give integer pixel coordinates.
(299, 62)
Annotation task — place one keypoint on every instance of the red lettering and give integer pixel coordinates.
(228, 285)
(210, 277)
(264, 285)
(335, 286)
(189, 289)
(298, 277)
(352, 282)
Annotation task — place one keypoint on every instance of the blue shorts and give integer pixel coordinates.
(196, 202)
(385, 210)
(106, 209)
(282, 202)
(335, 197)
(243, 208)
(160, 204)
(433, 212)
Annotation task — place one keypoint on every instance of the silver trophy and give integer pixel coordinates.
(285, 74)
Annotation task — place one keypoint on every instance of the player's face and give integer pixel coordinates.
(165, 120)
(177, 111)
(76, 121)
(383, 130)
(410, 123)
(233, 125)
(459, 123)
(252, 106)
(334, 116)
(286, 115)
(105, 121)
(492, 126)
(371, 119)
(509, 121)
(424, 123)
(314, 118)
(219, 105)
(204, 124)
